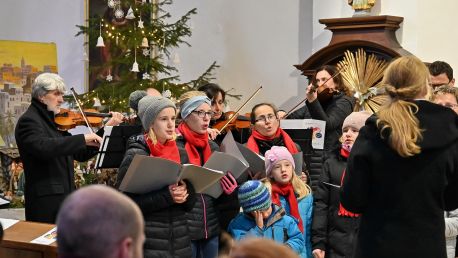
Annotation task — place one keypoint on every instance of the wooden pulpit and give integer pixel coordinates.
(375, 34)
(16, 241)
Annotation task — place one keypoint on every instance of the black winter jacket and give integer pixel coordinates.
(203, 220)
(332, 233)
(402, 200)
(166, 228)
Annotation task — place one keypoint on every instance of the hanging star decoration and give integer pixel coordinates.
(146, 52)
(146, 76)
(109, 78)
(140, 24)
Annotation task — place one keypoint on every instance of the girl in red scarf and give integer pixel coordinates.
(333, 227)
(204, 228)
(289, 191)
(164, 210)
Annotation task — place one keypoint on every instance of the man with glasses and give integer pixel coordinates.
(441, 73)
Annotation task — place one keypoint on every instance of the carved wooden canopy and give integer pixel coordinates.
(375, 34)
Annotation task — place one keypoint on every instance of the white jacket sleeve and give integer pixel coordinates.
(451, 223)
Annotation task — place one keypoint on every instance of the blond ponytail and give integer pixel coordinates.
(405, 79)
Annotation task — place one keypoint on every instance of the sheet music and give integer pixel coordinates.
(6, 223)
(318, 126)
(103, 146)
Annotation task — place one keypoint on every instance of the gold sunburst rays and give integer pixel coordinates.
(362, 74)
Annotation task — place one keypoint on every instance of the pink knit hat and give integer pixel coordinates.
(276, 154)
(356, 119)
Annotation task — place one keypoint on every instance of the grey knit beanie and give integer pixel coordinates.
(150, 106)
(135, 97)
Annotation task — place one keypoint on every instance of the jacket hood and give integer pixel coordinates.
(439, 125)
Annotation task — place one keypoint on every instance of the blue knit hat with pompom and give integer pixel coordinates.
(254, 196)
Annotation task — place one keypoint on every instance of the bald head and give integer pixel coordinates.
(153, 92)
(97, 221)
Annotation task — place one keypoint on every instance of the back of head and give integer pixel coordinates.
(94, 220)
(261, 248)
(46, 82)
(405, 79)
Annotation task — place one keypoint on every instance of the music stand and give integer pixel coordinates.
(114, 144)
(303, 137)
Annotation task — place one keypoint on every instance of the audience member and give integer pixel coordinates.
(97, 221)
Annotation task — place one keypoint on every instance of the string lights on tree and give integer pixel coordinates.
(134, 25)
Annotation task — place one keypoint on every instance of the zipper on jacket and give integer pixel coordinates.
(205, 216)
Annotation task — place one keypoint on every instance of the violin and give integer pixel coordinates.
(67, 119)
(235, 117)
(237, 123)
(324, 94)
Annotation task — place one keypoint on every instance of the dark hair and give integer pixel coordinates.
(252, 115)
(439, 67)
(211, 90)
(340, 86)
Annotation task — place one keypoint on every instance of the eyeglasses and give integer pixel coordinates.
(202, 114)
(264, 119)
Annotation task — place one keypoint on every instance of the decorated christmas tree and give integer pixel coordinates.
(133, 40)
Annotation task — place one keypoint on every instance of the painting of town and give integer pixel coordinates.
(20, 63)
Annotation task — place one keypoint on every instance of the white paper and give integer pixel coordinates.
(6, 223)
(4, 201)
(318, 126)
(47, 238)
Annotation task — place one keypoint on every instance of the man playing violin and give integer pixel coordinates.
(48, 153)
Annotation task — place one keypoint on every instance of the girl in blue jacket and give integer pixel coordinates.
(260, 218)
(290, 192)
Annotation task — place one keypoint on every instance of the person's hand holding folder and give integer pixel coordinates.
(179, 192)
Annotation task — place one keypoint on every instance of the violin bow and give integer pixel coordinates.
(313, 90)
(240, 108)
(81, 110)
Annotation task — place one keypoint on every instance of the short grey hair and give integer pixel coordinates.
(47, 82)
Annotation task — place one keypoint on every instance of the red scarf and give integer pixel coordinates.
(287, 191)
(289, 144)
(168, 150)
(195, 141)
(342, 211)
